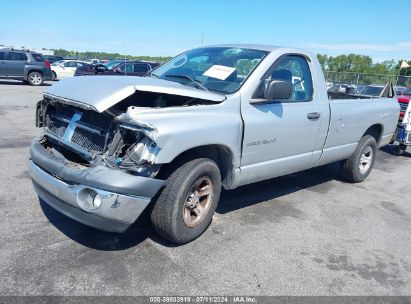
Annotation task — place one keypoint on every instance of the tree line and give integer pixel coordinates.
(361, 64)
(106, 56)
(342, 63)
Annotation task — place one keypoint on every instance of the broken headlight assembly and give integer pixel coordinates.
(134, 152)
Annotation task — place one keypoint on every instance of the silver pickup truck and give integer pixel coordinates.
(212, 117)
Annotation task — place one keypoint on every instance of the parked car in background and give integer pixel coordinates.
(371, 90)
(404, 100)
(52, 58)
(27, 66)
(65, 68)
(113, 63)
(398, 90)
(129, 68)
(341, 88)
(329, 85)
(91, 69)
(133, 68)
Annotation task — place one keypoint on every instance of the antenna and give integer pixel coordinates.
(202, 40)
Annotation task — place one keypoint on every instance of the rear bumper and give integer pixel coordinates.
(71, 191)
(47, 75)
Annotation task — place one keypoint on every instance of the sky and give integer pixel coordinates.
(378, 28)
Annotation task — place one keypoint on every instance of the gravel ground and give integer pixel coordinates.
(303, 234)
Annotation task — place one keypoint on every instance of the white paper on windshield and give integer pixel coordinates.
(219, 71)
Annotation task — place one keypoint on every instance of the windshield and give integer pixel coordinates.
(372, 91)
(57, 62)
(219, 69)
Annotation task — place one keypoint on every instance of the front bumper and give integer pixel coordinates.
(69, 190)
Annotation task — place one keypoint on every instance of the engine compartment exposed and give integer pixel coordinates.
(156, 100)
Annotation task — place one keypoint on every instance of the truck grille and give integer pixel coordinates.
(88, 129)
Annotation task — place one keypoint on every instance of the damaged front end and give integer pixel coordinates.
(93, 167)
(89, 139)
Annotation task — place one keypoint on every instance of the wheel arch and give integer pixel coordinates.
(220, 154)
(375, 131)
(31, 70)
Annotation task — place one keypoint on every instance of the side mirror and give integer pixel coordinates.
(278, 89)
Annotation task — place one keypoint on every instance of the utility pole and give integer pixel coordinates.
(202, 40)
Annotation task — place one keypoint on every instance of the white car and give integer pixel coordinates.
(65, 68)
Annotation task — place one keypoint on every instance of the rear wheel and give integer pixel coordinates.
(53, 76)
(35, 78)
(356, 168)
(185, 207)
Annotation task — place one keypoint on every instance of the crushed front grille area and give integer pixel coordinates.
(93, 131)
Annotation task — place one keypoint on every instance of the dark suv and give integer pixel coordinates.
(27, 66)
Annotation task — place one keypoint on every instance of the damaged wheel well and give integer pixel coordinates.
(220, 154)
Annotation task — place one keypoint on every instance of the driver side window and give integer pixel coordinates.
(295, 70)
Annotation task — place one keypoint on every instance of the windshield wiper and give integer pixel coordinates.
(152, 74)
(196, 82)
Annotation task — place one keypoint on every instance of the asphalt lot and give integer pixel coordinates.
(304, 234)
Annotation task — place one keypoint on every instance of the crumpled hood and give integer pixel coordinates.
(102, 92)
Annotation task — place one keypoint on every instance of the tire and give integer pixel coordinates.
(35, 79)
(53, 76)
(176, 215)
(356, 168)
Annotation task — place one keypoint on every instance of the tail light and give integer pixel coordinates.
(47, 64)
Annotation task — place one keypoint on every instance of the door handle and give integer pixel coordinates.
(313, 115)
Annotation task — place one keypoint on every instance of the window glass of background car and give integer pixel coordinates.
(56, 63)
(70, 64)
(38, 57)
(141, 68)
(296, 71)
(129, 68)
(2, 55)
(16, 56)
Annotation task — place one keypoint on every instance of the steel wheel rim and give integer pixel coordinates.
(35, 78)
(198, 202)
(366, 159)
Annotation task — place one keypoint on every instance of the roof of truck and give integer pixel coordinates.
(262, 47)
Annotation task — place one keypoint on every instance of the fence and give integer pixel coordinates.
(366, 78)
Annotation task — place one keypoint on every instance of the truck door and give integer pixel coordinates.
(3, 64)
(280, 136)
(15, 64)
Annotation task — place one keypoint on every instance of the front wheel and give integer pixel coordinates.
(53, 76)
(35, 78)
(185, 207)
(356, 168)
